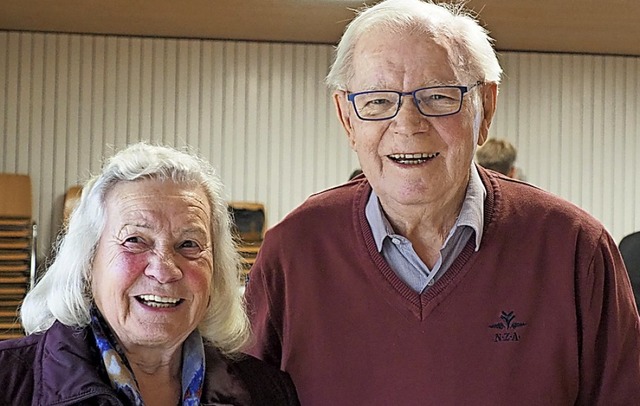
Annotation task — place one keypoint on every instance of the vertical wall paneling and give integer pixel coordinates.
(133, 53)
(601, 101)
(628, 175)
(553, 125)
(239, 109)
(252, 95)
(145, 95)
(194, 111)
(262, 115)
(181, 94)
(286, 113)
(216, 95)
(13, 78)
(587, 100)
(617, 151)
(574, 120)
(4, 83)
(261, 120)
(23, 102)
(204, 98)
(275, 153)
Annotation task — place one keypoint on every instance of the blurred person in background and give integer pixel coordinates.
(355, 173)
(498, 155)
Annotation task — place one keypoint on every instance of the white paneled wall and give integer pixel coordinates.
(575, 120)
(261, 114)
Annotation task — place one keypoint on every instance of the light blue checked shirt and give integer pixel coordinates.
(399, 252)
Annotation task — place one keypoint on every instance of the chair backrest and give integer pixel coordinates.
(15, 200)
(630, 250)
(249, 220)
(71, 199)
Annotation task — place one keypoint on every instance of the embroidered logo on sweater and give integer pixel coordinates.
(507, 326)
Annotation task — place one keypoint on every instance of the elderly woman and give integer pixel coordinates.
(141, 304)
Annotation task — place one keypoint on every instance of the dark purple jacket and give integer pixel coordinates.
(63, 367)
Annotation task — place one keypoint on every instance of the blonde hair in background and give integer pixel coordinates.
(498, 155)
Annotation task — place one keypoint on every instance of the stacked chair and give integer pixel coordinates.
(17, 250)
(249, 226)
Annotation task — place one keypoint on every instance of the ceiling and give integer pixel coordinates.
(577, 26)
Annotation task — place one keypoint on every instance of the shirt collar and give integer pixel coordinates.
(471, 213)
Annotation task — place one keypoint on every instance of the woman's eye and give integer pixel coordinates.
(190, 249)
(132, 240)
(134, 243)
(190, 245)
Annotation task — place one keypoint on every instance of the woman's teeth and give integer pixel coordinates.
(158, 301)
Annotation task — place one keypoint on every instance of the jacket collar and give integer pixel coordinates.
(70, 371)
(69, 368)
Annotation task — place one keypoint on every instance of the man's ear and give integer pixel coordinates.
(489, 104)
(344, 114)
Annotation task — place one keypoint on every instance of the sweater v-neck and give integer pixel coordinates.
(419, 304)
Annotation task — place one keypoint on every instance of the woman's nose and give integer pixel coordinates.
(163, 268)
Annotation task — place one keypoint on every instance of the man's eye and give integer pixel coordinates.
(380, 102)
(438, 97)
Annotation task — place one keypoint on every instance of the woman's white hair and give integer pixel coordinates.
(467, 43)
(64, 292)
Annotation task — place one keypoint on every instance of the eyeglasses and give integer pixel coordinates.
(433, 101)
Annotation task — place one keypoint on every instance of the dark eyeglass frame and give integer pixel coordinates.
(463, 90)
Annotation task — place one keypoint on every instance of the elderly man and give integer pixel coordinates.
(431, 281)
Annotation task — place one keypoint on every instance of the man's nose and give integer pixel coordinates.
(409, 119)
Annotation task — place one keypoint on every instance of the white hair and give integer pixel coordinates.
(64, 292)
(467, 43)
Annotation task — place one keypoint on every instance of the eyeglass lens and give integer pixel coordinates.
(435, 101)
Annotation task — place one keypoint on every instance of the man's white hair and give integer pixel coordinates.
(468, 44)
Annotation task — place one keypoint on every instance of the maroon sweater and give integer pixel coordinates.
(542, 314)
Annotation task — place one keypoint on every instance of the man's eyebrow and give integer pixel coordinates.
(381, 86)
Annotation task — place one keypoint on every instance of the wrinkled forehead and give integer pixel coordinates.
(385, 54)
(166, 196)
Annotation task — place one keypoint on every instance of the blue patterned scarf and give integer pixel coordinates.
(122, 378)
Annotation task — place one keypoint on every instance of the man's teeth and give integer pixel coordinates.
(159, 301)
(412, 159)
